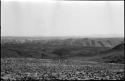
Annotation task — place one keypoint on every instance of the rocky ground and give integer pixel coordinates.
(27, 69)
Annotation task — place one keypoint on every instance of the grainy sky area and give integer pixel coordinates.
(62, 18)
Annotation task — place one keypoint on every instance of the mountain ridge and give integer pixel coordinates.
(100, 49)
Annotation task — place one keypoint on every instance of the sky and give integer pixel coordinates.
(62, 18)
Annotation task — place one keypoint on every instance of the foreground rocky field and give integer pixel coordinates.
(31, 69)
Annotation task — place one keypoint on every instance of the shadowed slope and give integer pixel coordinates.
(114, 55)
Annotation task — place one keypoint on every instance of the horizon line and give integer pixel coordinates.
(72, 36)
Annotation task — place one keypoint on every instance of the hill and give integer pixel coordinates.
(87, 42)
(99, 49)
(113, 55)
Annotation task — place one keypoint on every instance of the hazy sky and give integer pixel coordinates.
(62, 18)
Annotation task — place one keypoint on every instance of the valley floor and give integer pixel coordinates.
(47, 69)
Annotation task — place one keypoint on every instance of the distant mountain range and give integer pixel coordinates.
(92, 49)
(87, 42)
